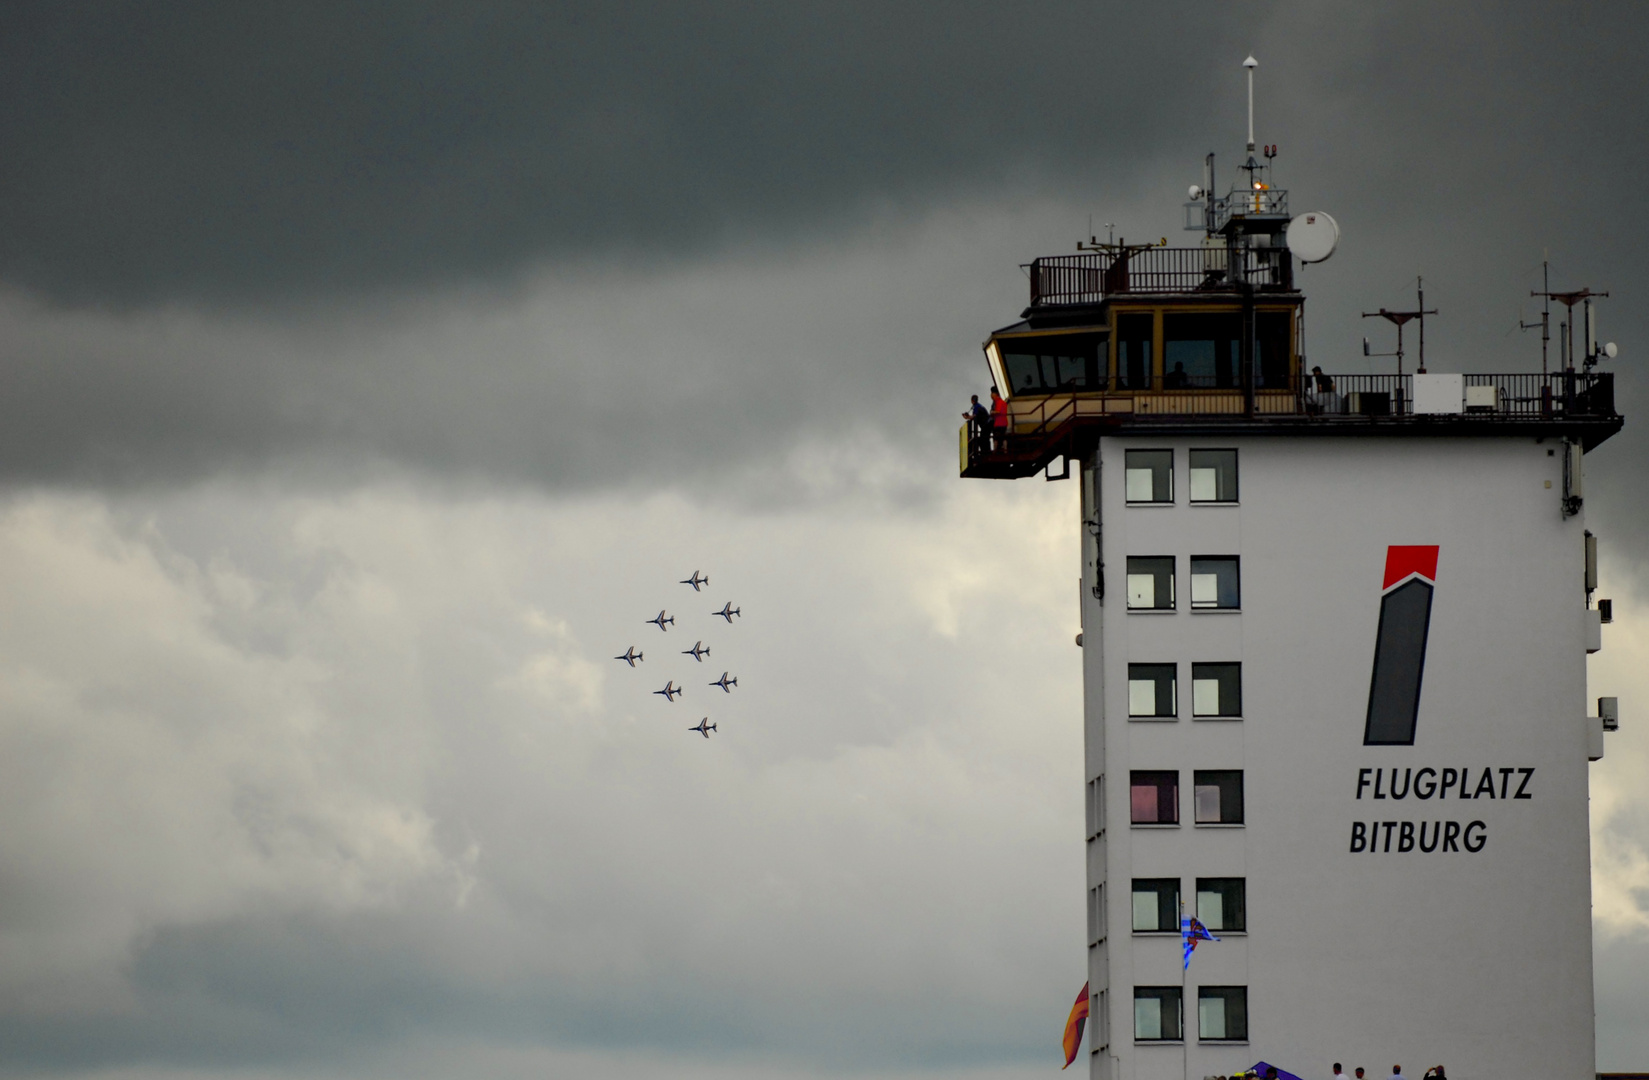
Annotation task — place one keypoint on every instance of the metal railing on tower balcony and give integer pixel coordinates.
(1250, 203)
(1092, 276)
(1487, 397)
(1042, 428)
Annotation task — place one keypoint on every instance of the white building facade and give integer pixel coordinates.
(1375, 904)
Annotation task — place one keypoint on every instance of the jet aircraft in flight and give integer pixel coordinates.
(695, 581)
(671, 691)
(697, 652)
(630, 656)
(662, 619)
(724, 682)
(705, 727)
(727, 612)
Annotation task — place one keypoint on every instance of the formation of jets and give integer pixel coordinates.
(664, 620)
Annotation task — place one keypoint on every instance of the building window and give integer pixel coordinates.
(1096, 914)
(1201, 351)
(1099, 1024)
(1271, 347)
(1134, 334)
(1156, 905)
(1213, 476)
(1149, 476)
(1151, 582)
(1151, 690)
(1216, 689)
(1154, 798)
(1157, 1014)
(1096, 806)
(1218, 796)
(1214, 582)
(1222, 1012)
(1222, 903)
(1053, 363)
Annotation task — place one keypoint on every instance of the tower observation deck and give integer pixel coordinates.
(1207, 340)
(1334, 630)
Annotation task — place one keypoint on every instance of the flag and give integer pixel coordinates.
(1260, 1068)
(1074, 1026)
(1192, 931)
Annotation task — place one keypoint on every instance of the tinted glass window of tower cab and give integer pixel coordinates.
(1054, 363)
(1135, 334)
(1271, 349)
(1203, 350)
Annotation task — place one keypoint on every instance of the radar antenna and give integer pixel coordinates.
(1399, 318)
(1567, 328)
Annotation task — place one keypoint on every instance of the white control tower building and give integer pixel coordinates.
(1334, 633)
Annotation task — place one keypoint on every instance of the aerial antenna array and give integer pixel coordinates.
(1566, 329)
(1399, 318)
(1311, 237)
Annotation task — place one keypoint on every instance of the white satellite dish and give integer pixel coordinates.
(1313, 236)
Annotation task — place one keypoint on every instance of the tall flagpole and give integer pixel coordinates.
(1184, 968)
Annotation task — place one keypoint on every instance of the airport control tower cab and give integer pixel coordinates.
(1135, 328)
(1335, 614)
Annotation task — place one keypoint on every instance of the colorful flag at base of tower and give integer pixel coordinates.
(1260, 1068)
(1073, 1026)
(1192, 931)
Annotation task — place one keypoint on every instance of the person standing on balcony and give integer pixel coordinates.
(979, 424)
(1321, 396)
(999, 418)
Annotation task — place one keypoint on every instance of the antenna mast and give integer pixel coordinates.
(1399, 318)
(1569, 300)
(1251, 64)
(1545, 322)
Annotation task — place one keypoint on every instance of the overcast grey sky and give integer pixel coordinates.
(371, 371)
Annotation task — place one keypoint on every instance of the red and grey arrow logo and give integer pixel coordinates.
(1400, 645)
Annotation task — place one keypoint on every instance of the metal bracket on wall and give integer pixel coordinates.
(1573, 477)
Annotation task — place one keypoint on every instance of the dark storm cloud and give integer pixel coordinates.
(303, 236)
(231, 151)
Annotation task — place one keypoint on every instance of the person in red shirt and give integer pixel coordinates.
(999, 418)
